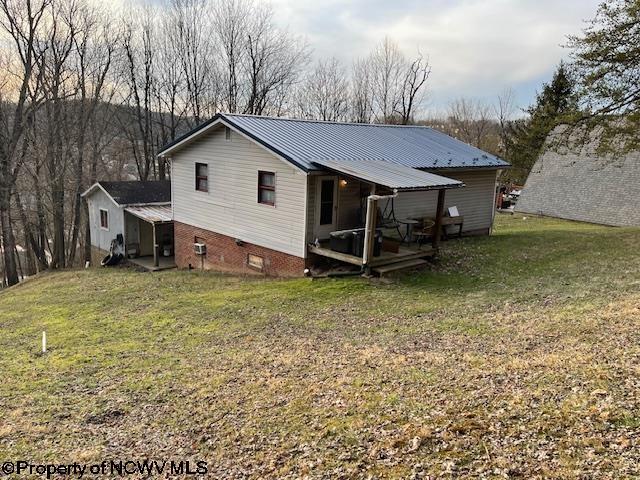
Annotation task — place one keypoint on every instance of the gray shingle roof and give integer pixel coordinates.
(304, 141)
(135, 192)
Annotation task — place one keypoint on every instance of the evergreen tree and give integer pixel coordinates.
(554, 104)
(606, 61)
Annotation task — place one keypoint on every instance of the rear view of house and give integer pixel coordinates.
(254, 193)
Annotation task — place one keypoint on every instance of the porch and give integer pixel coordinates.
(149, 237)
(148, 263)
(359, 198)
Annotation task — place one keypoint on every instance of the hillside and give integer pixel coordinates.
(517, 355)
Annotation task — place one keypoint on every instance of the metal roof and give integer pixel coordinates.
(390, 174)
(152, 213)
(303, 141)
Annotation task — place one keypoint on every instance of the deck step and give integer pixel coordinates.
(393, 267)
(378, 262)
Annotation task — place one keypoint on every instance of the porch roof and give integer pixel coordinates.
(152, 213)
(389, 174)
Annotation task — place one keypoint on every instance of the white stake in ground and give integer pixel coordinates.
(44, 342)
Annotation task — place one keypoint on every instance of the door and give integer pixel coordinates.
(131, 232)
(146, 238)
(326, 206)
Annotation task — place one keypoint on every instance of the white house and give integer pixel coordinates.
(262, 193)
(131, 218)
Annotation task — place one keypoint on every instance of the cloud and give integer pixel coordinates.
(476, 47)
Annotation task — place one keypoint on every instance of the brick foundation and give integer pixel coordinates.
(223, 254)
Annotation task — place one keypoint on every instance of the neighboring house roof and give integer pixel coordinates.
(307, 142)
(134, 192)
(391, 175)
(152, 213)
(581, 185)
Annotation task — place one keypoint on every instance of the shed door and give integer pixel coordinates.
(146, 238)
(326, 206)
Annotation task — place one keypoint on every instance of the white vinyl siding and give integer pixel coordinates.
(101, 237)
(231, 207)
(474, 200)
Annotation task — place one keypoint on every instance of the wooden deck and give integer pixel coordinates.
(386, 258)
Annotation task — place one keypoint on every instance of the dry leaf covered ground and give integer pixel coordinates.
(518, 356)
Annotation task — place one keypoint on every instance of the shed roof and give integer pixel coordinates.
(390, 175)
(135, 192)
(302, 142)
(152, 213)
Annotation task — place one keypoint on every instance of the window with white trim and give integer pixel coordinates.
(202, 177)
(104, 219)
(267, 188)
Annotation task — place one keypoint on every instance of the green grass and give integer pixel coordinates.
(516, 355)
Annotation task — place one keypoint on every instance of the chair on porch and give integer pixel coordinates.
(424, 231)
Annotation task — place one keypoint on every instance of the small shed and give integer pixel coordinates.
(134, 219)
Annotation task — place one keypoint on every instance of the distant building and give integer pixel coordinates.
(583, 186)
(133, 219)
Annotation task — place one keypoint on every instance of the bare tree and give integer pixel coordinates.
(22, 20)
(504, 109)
(396, 84)
(258, 61)
(387, 64)
(138, 43)
(416, 74)
(470, 121)
(361, 91)
(94, 51)
(187, 42)
(324, 94)
(274, 61)
(230, 22)
(58, 87)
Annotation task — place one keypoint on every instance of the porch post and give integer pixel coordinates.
(437, 228)
(369, 230)
(156, 248)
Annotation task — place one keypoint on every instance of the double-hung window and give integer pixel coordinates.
(267, 188)
(104, 219)
(202, 177)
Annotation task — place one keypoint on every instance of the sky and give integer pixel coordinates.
(476, 48)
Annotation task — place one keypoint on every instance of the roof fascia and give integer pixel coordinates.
(221, 119)
(93, 188)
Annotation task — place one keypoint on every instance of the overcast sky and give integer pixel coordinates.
(476, 47)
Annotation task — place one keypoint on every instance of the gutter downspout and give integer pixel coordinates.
(370, 226)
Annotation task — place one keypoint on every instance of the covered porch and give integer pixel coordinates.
(149, 237)
(359, 198)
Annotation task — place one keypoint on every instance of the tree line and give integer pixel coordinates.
(89, 93)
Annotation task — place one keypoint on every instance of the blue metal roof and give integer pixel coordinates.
(303, 142)
(390, 174)
(412, 146)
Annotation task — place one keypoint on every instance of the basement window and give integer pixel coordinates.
(256, 262)
(267, 188)
(202, 177)
(104, 219)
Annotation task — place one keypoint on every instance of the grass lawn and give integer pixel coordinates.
(517, 356)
